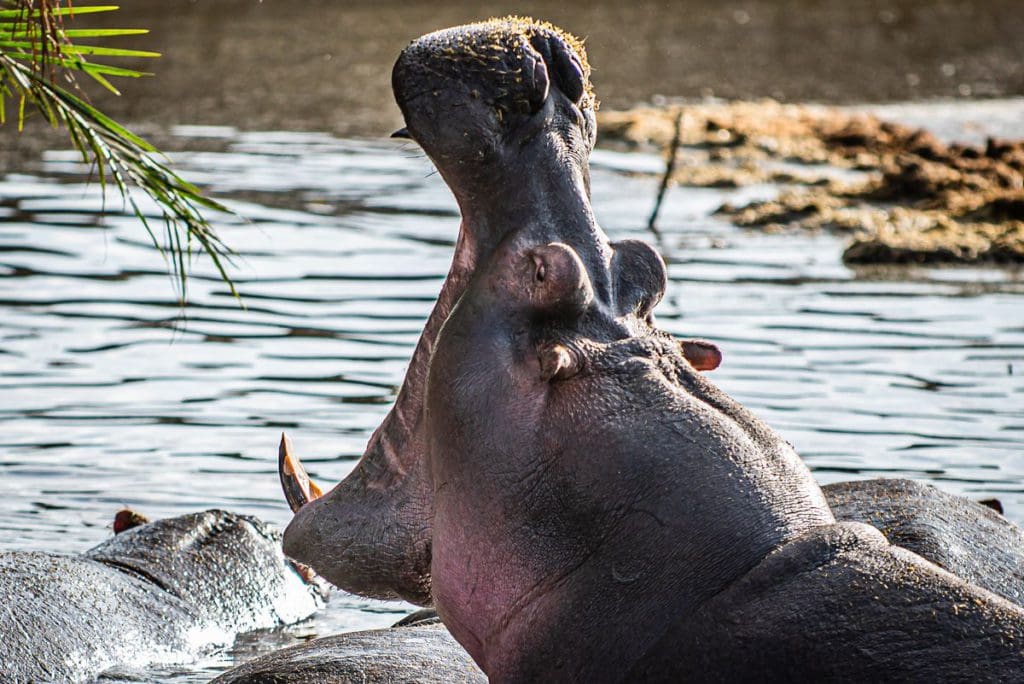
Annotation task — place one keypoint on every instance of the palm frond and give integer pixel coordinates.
(34, 48)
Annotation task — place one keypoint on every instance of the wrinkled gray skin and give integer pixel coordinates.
(515, 154)
(626, 520)
(967, 538)
(165, 592)
(504, 111)
(420, 651)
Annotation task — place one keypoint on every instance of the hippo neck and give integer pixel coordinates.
(552, 200)
(541, 195)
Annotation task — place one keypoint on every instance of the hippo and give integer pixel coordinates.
(623, 519)
(505, 110)
(416, 649)
(156, 593)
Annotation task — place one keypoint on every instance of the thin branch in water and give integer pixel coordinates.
(670, 167)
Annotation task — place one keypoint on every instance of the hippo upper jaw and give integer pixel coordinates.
(493, 104)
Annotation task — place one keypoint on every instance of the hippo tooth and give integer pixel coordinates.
(298, 488)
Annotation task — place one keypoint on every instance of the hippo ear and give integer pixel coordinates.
(640, 277)
(557, 362)
(702, 355)
(126, 519)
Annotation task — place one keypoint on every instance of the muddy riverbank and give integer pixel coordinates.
(325, 66)
(906, 196)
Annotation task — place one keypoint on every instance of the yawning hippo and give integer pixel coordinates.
(625, 520)
(156, 593)
(505, 110)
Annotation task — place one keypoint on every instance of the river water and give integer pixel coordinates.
(111, 395)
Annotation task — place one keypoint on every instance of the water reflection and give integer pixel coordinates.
(111, 397)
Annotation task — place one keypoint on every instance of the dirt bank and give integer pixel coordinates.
(906, 197)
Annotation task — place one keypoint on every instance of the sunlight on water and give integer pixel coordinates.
(111, 397)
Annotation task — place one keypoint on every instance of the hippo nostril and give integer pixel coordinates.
(565, 66)
(570, 77)
(536, 74)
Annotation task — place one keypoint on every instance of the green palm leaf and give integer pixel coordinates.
(34, 48)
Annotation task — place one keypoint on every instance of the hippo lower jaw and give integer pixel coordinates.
(370, 534)
(358, 551)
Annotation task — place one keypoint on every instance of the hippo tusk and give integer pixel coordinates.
(299, 490)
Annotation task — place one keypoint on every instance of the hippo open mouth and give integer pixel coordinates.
(505, 110)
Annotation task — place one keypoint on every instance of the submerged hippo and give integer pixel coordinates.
(625, 520)
(156, 593)
(417, 650)
(505, 110)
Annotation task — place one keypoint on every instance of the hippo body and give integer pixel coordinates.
(509, 124)
(505, 111)
(666, 534)
(967, 538)
(164, 592)
(839, 605)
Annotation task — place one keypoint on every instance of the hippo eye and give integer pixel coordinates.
(541, 272)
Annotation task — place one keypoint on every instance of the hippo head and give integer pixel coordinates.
(483, 99)
(228, 567)
(505, 110)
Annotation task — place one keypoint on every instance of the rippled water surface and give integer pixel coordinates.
(108, 396)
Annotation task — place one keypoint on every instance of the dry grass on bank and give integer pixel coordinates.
(915, 200)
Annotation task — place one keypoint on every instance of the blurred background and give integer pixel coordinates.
(323, 65)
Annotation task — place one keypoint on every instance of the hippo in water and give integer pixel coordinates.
(156, 593)
(626, 520)
(417, 649)
(505, 109)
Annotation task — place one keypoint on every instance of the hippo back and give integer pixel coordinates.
(161, 593)
(962, 536)
(66, 618)
(228, 567)
(423, 652)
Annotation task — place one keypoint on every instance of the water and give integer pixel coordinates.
(108, 397)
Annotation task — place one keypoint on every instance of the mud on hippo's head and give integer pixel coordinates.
(474, 95)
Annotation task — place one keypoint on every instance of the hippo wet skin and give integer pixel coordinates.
(626, 520)
(505, 111)
(162, 592)
(416, 650)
